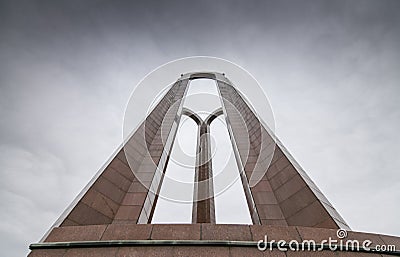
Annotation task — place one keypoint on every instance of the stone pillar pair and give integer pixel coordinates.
(278, 191)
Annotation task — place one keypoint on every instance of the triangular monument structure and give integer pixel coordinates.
(113, 214)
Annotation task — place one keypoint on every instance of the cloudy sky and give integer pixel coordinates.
(329, 68)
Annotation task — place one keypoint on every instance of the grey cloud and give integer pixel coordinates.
(329, 68)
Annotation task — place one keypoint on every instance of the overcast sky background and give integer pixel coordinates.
(67, 68)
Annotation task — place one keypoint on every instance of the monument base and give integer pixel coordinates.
(208, 240)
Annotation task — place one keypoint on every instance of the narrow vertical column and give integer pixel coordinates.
(203, 200)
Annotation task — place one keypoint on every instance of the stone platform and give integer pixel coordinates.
(125, 240)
